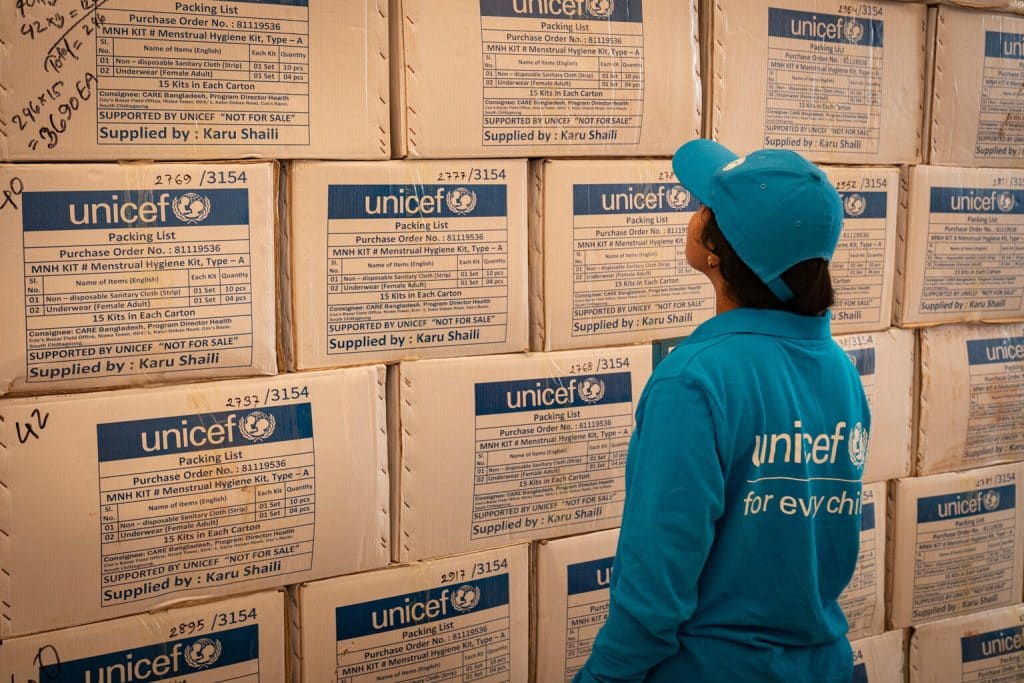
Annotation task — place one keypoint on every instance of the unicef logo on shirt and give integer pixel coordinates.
(461, 200)
(191, 207)
(990, 501)
(601, 8)
(678, 197)
(465, 597)
(1005, 202)
(855, 205)
(858, 445)
(853, 31)
(592, 389)
(257, 426)
(202, 653)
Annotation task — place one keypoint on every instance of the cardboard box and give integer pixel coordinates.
(458, 618)
(957, 253)
(157, 79)
(880, 659)
(238, 639)
(886, 364)
(402, 260)
(803, 75)
(608, 255)
(976, 117)
(500, 449)
(535, 78)
(863, 601)
(981, 647)
(958, 544)
(997, 5)
(119, 275)
(570, 601)
(865, 260)
(159, 495)
(972, 390)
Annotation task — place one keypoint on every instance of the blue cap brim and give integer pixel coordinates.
(696, 162)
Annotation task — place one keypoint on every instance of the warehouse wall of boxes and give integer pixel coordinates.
(325, 321)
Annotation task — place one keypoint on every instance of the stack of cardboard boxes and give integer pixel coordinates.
(417, 286)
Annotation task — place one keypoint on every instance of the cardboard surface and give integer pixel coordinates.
(863, 601)
(157, 79)
(807, 75)
(403, 260)
(238, 639)
(980, 647)
(971, 396)
(534, 79)
(958, 544)
(608, 255)
(158, 495)
(976, 114)
(863, 265)
(880, 659)
(570, 601)
(885, 362)
(462, 618)
(120, 275)
(958, 248)
(997, 5)
(499, 449)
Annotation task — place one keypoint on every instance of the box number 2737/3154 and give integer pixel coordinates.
(271, 395)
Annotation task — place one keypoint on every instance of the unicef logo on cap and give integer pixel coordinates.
(191, 207)
(465, 597)
(601, 8)
(461, 200)
(678, 197)
(853, 31)
(854, 205)
(990, 501)
(858, 445)
(1005, 202)
(592, 389)
(203, 653)
(257, 426)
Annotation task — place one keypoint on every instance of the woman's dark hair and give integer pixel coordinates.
(809, 280)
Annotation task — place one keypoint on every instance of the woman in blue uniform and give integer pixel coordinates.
(743, 479)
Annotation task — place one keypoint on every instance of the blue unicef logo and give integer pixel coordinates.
(990, 500)
(461, 200)
(465, 597)
(203, 653)
(601, 8)
(678, 197)
(191, 207)
(858, 444)
(1005, 202)
(855, 205)
(592, 389)
(853, 31)
(257, 426)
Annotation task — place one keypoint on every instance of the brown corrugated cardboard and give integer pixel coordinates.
(958, 544)
(997, 5)
(463, 618)
(863, 600)
(838, 82)
(500, 449)
(885, 362)
(238, 639)
(570, 601)
(880, 659)
(115, 503)
(971, 397)
(540, 78)
(981, 647)
(958, 249)
(119, 275)
(158, 79)
(863, 266)
(402, 260)
(608, 255)
(976, 113)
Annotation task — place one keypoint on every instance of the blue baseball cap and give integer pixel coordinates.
(774, 207)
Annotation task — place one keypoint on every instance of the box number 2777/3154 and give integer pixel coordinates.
(271, 395)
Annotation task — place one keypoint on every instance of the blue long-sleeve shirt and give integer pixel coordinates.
(742, 513)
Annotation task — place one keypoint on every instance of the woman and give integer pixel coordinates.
(743, 478)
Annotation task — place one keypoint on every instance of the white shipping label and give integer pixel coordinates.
(964, 557)
(586, 610)
(629, 260)
(1001, 120)
(562, 73)
(995, 422)
(859, 600)
(460, 630)
(858, 266)
(123, 282)
(174, 73)
(551, 451)
(824, 75)
(975, 251)
(416, 266)
(176, 515)
(993, 657)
